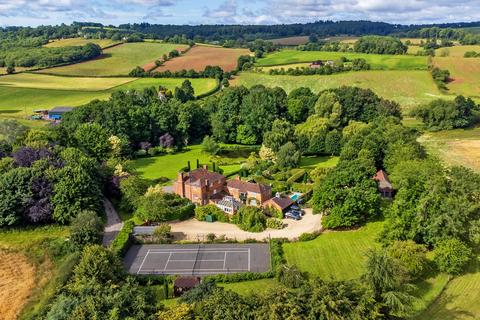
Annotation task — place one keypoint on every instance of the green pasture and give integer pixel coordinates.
(248, 288)
(312, 162)
(337, 255)
(80, 42)
(170, 164)
(377, 61)
(408, 88)
(18, 102)
(119, 60)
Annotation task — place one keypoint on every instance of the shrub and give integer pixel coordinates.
(123, 241)
(161, 234)
(209, 145)
(274, 223)
(273, 212)
(250, 219)
(290, 276)
(211, 237)
(86, 229)
(201, 213)
(413, 256)
(308, 236)
(451, 255)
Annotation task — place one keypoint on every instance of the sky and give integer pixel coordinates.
(49, 12)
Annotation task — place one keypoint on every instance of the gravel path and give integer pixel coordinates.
(114, 224)
(195, 230)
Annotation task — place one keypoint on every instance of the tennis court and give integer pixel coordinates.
(198, 259)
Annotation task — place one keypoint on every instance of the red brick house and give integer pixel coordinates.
(384, 185)
(249, 193)
(200, 185)
(279, 203)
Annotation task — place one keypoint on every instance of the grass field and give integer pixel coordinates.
(169, 165)
(18, 102)
(455, 147)
(40, 81)
(312, 162)
(290, 41)
(465, 74)
(408, 88)
(377, 61)
(460, 299)
(3, 71)
(199, 57)
(119, 60)
(80, 42)
(459, 51)
(338, 255)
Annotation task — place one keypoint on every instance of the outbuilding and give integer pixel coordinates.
(184, 284)
(384, 185)
(58, 112)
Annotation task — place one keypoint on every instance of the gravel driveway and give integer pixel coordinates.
(195, 230)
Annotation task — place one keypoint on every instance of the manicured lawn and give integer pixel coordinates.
(408, 88)
(80, 42)
(455, 147)
(460, 299)
(312, 162)
(338, 255)
(377, 61)
(119, 60)
(169, 165)
(247, 288)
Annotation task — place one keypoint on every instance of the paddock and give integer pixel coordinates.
(197, 259)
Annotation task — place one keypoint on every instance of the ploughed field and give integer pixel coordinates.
(376, 61)
(198, 57)
(119, 60)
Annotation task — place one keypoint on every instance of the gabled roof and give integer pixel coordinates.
(282, 202)
(243, 186)
(186, 282)
(382, 178)
(200, 176)
(61, 109)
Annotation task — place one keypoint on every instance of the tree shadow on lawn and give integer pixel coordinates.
(9, 111)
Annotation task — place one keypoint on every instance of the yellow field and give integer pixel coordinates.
(459, 51)
(455, 147)
(17, 280)
(465, 74)
(17, 69)
(42, 81)
(80, 42)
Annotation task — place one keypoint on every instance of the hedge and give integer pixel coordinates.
(296, 176)
(123, 240)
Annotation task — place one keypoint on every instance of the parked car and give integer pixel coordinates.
(295, 207)
(293, 215)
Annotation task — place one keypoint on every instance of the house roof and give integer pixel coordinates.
(61, 109)
(186, 282)
(282, 202)
(200, 177)
(382, 178)
(243, 186)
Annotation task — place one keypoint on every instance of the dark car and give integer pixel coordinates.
(295, 207)
(293, 215)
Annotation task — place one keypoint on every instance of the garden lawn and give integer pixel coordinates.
(170, 164)
(312, 162)
(80, 42)
(119, 60)
(247, 288)
(460, 299)
(376, 61)
(337, 255)
(408, 88)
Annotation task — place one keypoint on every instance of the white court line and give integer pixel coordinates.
(203, 260)
(193, 250)
(144, 258)
(190, 270)
(166, 264)
(249, 259)
(224, 260)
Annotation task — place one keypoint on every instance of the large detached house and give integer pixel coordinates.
(204, 187)
(200, 185)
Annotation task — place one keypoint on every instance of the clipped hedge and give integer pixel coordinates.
(274, 223)
(308, 236)
(123, 240)
(296, 176)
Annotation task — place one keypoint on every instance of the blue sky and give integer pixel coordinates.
(37, 12)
